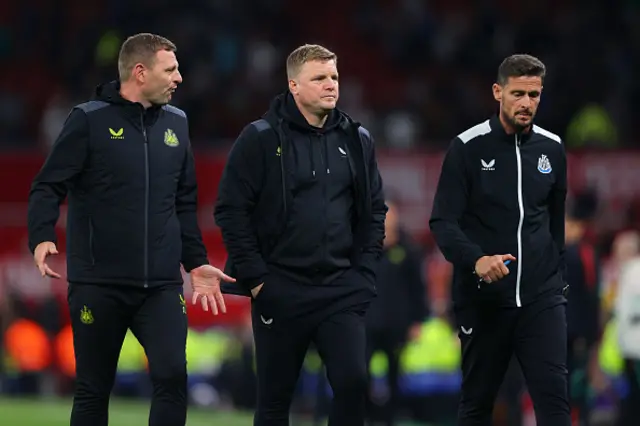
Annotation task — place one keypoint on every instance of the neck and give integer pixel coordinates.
(315, 120)
(130, 92)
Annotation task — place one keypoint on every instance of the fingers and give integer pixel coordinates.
(212, 303)
(41, 268)
(227, 278)
(194, 298)
(203, 302)
(52, 250)
(50, 272)
(504, 269)
(220, 299)
(506, 257)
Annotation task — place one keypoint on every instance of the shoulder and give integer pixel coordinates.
(474, 132)
(174, 110)
(365, 137)
(550, 139)
(254, 135)
(91, 106)
(543, 133)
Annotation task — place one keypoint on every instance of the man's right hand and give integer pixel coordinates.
(40, 255)
(256, 290)
(492, 268)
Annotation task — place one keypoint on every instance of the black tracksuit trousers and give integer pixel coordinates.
(287, 317)
(537, 335)
(100, 317)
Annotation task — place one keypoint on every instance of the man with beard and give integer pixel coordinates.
(498, 217)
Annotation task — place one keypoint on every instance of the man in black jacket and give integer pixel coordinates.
(498, 216)
(125, 162)
(302, 215)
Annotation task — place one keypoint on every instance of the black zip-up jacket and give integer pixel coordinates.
(132, 195)
(301, 200)
(503, 193)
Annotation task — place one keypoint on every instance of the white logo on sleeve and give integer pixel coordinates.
(488, 166)
(466, 331)
(342, 151)
(266, 321)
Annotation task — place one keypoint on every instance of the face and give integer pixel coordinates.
(161, 79)
(519, 100)
(316, 86)
(573, 230)
(391, 221)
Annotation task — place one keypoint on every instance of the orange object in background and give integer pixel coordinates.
(28, 346)
(64, 352)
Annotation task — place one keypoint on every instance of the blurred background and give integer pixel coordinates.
(416, 73)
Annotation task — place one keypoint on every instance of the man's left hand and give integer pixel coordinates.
(205, 282)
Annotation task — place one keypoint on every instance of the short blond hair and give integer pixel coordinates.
(141, 48)
(307, 53)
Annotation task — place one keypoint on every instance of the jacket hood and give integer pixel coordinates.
(110, 92)
(284, 108)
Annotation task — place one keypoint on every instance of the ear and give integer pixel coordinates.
(293, 86)
(497, 92)
(139, 72)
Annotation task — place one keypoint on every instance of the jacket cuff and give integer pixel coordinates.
(193, 264)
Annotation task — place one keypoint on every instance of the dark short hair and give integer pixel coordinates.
(141, 48)
(520, 66)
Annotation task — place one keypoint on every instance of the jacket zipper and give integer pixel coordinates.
(146, 203)
(521, 208)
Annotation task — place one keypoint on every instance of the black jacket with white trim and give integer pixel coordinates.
(503, 194)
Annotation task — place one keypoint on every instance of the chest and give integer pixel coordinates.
(505, 174)
(319, 159)
(128, 151)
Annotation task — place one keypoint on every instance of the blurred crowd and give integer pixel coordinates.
(416, 73)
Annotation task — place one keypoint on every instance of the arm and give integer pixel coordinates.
(449, 205)
(238, 193)
(372, 248)
(49, 188)
(557, 211)
(194, 253)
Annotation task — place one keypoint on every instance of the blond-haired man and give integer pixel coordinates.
(302, 215)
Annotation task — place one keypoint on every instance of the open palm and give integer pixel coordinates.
(205, 283)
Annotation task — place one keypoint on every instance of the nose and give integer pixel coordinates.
(178, 78)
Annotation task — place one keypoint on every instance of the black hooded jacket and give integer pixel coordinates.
(302, 199)
(130, 179)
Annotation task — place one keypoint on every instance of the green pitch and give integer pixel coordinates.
(22, 412)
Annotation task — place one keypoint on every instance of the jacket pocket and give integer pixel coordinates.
(91, 243)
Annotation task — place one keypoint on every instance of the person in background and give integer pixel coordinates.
(583, 306)
(397, 314)
(627, 313)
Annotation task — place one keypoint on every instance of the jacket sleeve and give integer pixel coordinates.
(557, 201)
(372, 248)
(449, 204)
(194, 253)
(49, 188)
(238, 194)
